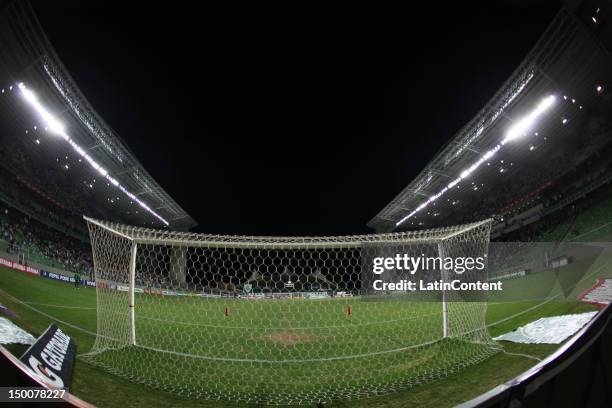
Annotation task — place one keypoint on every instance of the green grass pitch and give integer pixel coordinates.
(238, 347)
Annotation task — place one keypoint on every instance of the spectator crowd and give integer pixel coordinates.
(36, 242)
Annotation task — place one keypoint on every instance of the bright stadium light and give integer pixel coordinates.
(522, 126)
(519, 129)
(53, 124)
(57, 127)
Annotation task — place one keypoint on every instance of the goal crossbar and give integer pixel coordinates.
(175, 238)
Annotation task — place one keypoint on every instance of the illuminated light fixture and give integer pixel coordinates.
(564, 121)
(52, 123)
(531, 148)
(599, 88)
(37, 141)
(491, 152)
(520, 128)
(594, 19)
(454, 183)
(57, 127)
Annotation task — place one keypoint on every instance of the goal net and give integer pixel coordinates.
(282, 320)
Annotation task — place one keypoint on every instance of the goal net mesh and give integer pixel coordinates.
(280, 320)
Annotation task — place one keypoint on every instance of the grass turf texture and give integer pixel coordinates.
(74, 310)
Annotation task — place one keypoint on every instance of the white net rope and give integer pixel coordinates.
(279, 320)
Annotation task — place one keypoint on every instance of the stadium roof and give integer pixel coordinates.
(566, 60)
(27, 57)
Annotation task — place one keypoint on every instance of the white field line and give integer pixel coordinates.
(61, 306)
(45, 314)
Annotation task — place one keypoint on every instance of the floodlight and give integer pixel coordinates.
(53, 124)
(57, 127)
(523, 125)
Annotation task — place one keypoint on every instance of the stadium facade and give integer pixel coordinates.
(197, 331)
(518, 151)
(92, 170)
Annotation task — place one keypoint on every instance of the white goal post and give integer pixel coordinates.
(280, 320)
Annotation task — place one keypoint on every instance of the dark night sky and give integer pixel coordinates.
(289, 121)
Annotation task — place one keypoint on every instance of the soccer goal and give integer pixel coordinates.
(281, 320)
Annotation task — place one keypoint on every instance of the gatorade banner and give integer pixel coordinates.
(51, 358)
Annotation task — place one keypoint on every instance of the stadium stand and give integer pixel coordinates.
(586, 219)
(565, 156)
(16, 192)
(36, 242)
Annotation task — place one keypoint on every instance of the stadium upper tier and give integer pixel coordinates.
(552, 114)
(57, 143)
